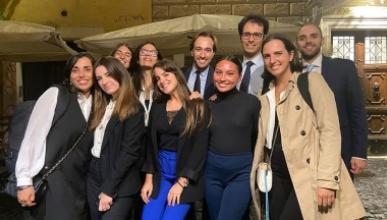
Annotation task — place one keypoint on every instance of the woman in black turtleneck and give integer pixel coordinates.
(233, 133)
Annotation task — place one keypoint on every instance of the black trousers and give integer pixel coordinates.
(283, 202)
(122, 206)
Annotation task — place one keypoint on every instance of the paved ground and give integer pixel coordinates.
(371, 185)
(372, 188)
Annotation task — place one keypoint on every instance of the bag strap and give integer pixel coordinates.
(59, 162)
(303, 87)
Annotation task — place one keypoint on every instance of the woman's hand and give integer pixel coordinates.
(147, 188)
(174, 194)
(105, 202)
(26, 196)
(325, 199)
(195, 95)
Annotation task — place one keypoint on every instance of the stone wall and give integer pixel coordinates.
(285, 11)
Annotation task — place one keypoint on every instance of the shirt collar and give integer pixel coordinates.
(202, 73)
(257, 60)
(317, 62)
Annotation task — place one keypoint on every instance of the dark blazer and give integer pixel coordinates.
(209, 88)
(341, 76)
(191, 156)
(120, 155)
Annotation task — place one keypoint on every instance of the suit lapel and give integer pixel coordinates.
(109, 129)
(209, 87)
(324, 66)
(186, 72)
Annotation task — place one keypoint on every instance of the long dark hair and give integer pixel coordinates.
(135, 68)
(197, 113)
(295, 64)
(126, 101)
(69, 66)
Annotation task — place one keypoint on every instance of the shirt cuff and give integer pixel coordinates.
(24, 181)
(359, 158)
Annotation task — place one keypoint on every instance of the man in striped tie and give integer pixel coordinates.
(252, 30)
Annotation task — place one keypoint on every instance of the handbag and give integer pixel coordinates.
(264, 172)
(265, 176)
(40, 181)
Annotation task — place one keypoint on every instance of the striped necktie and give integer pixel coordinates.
(246, 77)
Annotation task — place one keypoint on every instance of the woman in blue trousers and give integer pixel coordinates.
(177, 147)
(233, 133)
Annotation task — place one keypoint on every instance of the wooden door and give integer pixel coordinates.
(372, 72)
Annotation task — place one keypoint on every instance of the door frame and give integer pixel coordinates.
(340, 22)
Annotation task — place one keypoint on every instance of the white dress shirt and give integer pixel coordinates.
(203, 79)
(317, 62)
(32, 151)
(100, 129)
(146, 108)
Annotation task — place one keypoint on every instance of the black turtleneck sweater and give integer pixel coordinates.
(234, 125)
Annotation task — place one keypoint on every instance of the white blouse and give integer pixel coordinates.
(271, 122)
(100, 129)
(32, 151)
(146, 109)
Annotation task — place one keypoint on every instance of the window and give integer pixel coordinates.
(375, 49)
(343, 47)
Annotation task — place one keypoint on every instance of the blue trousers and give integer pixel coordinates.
(227, 187)
(158, 209)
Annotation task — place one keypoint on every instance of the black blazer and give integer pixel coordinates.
(209, 88)
(191, 156)
(341, 76)
(120, 155)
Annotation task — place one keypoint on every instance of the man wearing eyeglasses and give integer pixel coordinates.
(199, 75)
(252, 30)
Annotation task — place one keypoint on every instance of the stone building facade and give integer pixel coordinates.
(285, 11)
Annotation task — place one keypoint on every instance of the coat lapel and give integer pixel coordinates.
(109, 129)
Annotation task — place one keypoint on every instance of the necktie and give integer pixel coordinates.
(197, 82)
(308, 68)
(246, 77)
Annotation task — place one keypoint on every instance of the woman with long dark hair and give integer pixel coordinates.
(123, 53)
(233, 133)
(117, 121)
(300, 143)
(145, 57)
(49, 136)
(177, 147)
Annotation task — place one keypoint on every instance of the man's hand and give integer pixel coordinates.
(358, 165)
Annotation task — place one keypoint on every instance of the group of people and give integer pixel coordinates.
(189, 141)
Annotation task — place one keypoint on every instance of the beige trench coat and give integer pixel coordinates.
(311, 144)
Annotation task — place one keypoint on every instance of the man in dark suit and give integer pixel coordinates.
(199, 74)
(341, 76)
(252, 30)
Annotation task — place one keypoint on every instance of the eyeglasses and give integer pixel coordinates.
(145, 52)
(124, 54)
(255, 35)
(206, 50)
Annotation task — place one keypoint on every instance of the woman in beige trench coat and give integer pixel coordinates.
(310, 142)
